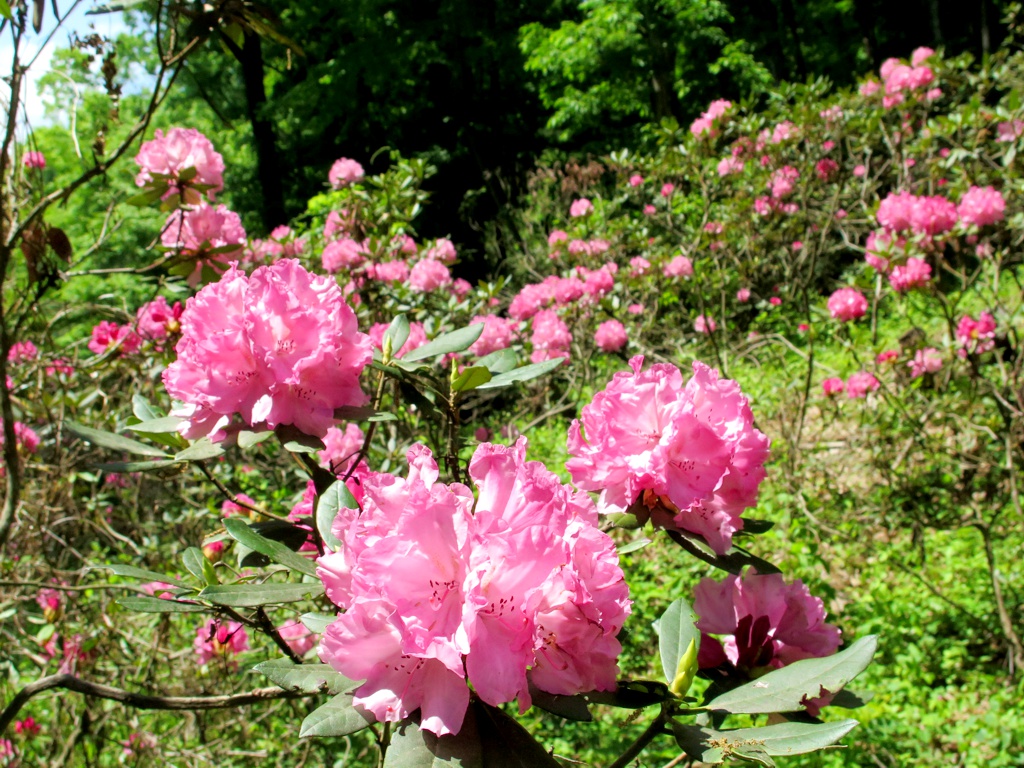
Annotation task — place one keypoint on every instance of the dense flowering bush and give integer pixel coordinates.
(185, 161)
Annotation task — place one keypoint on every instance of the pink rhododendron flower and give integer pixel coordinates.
(895, 211)
(704, 324)
(581, 207)
(558, 236)
(278, 347)
(743, 295)
(981, 206)
(610, 336)
(765, 623)
(880, 247)
(173, 155)
(338, 223)
(107, 334)
(797, 245)
(714, 227)
(429, 275)
(635, 309)
(640, 266)
(687, 455)
(417, 337)
(914, 274)
(783, 182)
(705, 124)
(667, 190)
(932, 215)
(343, 253)
(847, 304)
(598, 282)
(680, 266)
(22, 352)
(832, 386)
(498, 334)
(976, 336)
(156, 320)
(550, 337)
(1009, 131)
(341, 446)
(52, 603)
(728, 166)
(869, 87)
(921, 55)
(826, 168)
(216, 639)
(519, 589)
(27, 727)
(139, 744)
(298, 638)
(650, 210)
(345, 171)
(229, 508)
(859, 170)
(530, 300)
(775, 301)
(196, 232)
(389, 271)
(860, 383)
(927, 360)
(888, 356)
(636, 180)
(783, 132)
(442, 250)
(34, 160)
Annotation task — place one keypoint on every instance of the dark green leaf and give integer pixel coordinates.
(297, 441)
(756, 526)
(633, 546)
(398, 332)
(631, 694)
(253, 595)
(143, 410)
(193, 559)
(784, 689)
(305, 678)
(455, 341)
(243, 533)
(412, 747)
(569, 707)
(159, 605)
(733, 561)
(338, 717)
(783, 739)
(112, 441)
(335, 498)
(848, 699)
(136, 573)
(147, 198)
(200, 450)
(506, 744)
(134, 466)
(471, 378)
(677, 629)
(525, 373)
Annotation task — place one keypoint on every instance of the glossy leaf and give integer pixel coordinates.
(200, 450)
(412, 747)
(525, 373)
(159, 605)
(471, 378)
(455, 341)
(784, 689)
(780, 740)
(335, 498)
(677, 629)
(317, 622)
(193, 559)
(136, 573)
(398, 332)
(305, 678)
(243, 533)
(338, 717)
(253, 595)
(502, 361)
(113, 441)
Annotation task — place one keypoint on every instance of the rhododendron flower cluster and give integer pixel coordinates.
(187, 158)
(927, 360)
(687, 454)
(906, 212)
(550, 336)
(213, 236)
(783, 182)
(981, 206)
(680, 266)
(900, 79)
(704, 324)
(298, 638)
(343, 253)
(859, 384)
(705, 124)
(107, 334)
(218, 639)
(914, 274)
(429, 275)
(278, 347)
(34, 160)
(728, 166)
(345, 171)
(520, 590)
(156, 320)
(832, 386)
(581, 207)
(610, 336)
(847, 304)
(498, 333)
(765, 623)
(22, 352)
(976, 336)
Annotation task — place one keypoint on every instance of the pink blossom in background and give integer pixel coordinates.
(981, 206)
(880, 247)
(22, 352)
(763, 206)
(139, 743)
(482, 434)
(859, 170)
(34, 160)
(847, 304)
(197, 231)
(598, 282)
(927, 360)
(52, 603)
(229, 508)
(610, 336)
(6, 749)
(689, 453)
(667, 190)
(158, 589)
(1009, 131)
(298, 638)
(550, 337)
(213, 551)
(174, 153)
(531, 299)
(388, 271)
(921, 55)
(714, 227)
(27, 727)
(636, 180)
(797, 245)
(680, 266)
(417, 338)
(106, 334)
(869, 87)
(764, 623)
(932, 215)
(344, 172)
(859, 384)
(156, 320)
(430, 598)
(775, 301)
(650, 210)
(60, 367)
(442, 250)
(404, 244)
(341, 446)
(705, 124)
(895, 211)
(783, 182)
(831, 115)
(743, 295)
(832, 386)
(338, 223)
(934, 94)
(803, 328)
(461, 288)
(581, 207)
(976, 336)
(826, 168)
(343, 253)
(914, 274)
(429, 275)
(728, 166)
(635, 309)
(888, 356)
(220, 640)
(557, 237)
(640, 266)
(704, 324)
(783, 132)
(278, 347)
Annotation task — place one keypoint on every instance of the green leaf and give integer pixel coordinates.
(200, 450)
(335, 498)
(296, 441)
(133, 466)
(678, 640)
(506, 744)
(784, 689)
(143, 410)
(499, 362)
(338, 717)
(135, 573)
(254, 595)
(5, 10)
(193, 559)
(159, 605)
(471, 378)
(305, 678)
(633, 546)
(455, 341)
(412, 747)
(398, 332)
(524, 373)
(113, 441)
(157, 426)
(568, 707)
(783, 739)
(317, 622)
(247, 439)
(243, 533)
(733, 561)
(631, 694)
(147, 198)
